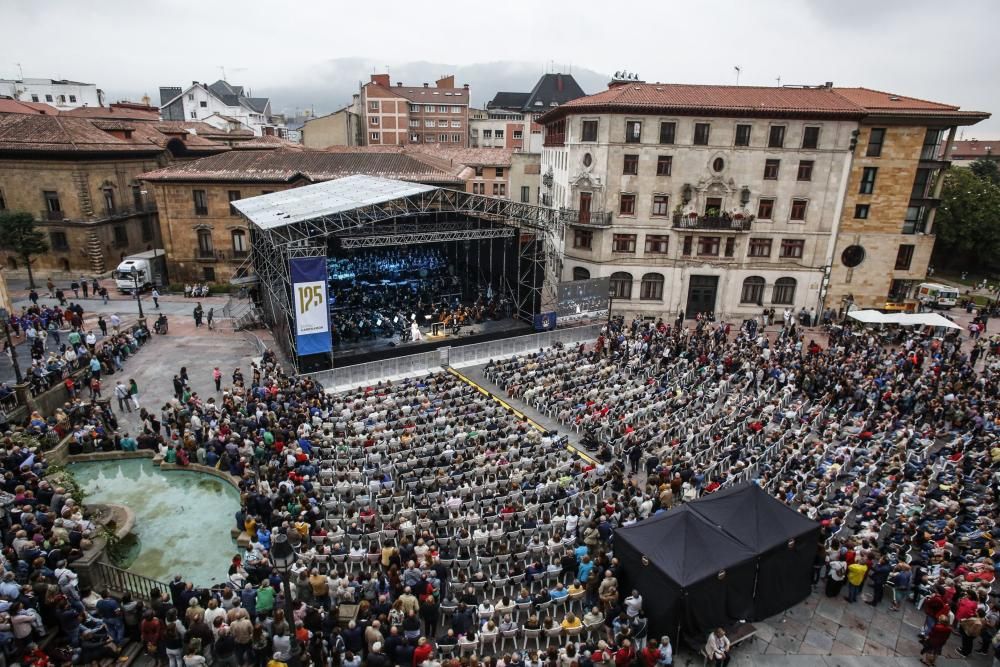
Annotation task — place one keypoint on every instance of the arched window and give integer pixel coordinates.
(753, 290)
(580, 273)
(784, 291)
(621, 285)
(651, 288)
(206, 249)
(240, 247)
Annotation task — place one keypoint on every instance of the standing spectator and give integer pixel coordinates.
(936, 639)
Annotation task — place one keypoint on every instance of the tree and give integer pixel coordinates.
(968, 222)
(986, 170)
(18, 235)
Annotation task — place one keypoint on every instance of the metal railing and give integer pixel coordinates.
(119, 580)
(52, 216)
(721, 222)
(595, 218)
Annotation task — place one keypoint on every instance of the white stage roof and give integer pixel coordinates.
(329, 198)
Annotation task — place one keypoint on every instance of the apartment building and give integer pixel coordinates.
(222, 105)
(508, 121)
(399, 115)
(59, 93)
(886, 232)
(723, 199)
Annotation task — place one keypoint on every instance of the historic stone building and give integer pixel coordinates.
(722, 199)
(206, 239)
(78, 175)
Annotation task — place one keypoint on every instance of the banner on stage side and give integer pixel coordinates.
(312, 314)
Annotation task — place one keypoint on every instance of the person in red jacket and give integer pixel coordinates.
(422, 652)
(936, 639)
(651, 654)
(625, 655)
(934, 606)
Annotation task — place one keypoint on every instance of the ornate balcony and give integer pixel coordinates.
(720, 223)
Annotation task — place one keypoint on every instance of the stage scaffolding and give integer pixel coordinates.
(366, 211)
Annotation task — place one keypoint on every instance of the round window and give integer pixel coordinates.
(587, 159)
(852, 256)
(718, 164)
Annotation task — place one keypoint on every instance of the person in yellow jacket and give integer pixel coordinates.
(856, 572)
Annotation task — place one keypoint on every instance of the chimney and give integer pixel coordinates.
(381, 79)
(828, 85)
(426, 85)
(399, 84)
(194, 83)
(446, 81)
(465, 86)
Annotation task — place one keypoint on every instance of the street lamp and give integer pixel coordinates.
(283, 557)
(138, 300)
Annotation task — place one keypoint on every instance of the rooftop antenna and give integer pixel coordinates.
(20, 70)
(737, 68)
(779, 81)
(223, 68)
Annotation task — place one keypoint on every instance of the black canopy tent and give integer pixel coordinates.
(691, 574)
(784, 540)
(732, 555)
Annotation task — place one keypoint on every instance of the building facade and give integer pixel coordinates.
(80, 180)
(59, 93)
(886, 232)
(699, 207)
(717, 199)
(207, 240)
(399, 115)
(509, 118)
(223, 105)
(340, 128)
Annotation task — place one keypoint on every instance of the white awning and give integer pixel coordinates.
(903, 319)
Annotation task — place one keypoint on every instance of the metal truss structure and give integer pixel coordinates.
(395, 222)
(378, 240)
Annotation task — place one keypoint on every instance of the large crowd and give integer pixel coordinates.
(433, 525)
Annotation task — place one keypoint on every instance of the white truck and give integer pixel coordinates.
(148, 269)
(936, 295)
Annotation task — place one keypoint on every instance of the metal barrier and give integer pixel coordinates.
(457, 356)
(117, 579)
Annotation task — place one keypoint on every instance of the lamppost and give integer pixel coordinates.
(138, 300)
(283, 557)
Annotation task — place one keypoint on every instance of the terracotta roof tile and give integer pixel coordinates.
(283, 165)
(973, 148)
(873, 100)
(813, 102)
(114, 112)
(43, 133)
(8, 105)
(475, 157)
(693, 98)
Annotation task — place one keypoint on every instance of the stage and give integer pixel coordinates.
(363, 351)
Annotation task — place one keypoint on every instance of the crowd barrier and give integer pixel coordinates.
(460, 356)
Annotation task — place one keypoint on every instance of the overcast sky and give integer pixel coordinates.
(940, 51)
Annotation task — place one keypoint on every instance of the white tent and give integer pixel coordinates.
(903, 319)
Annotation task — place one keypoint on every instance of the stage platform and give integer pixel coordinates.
(377, 349)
